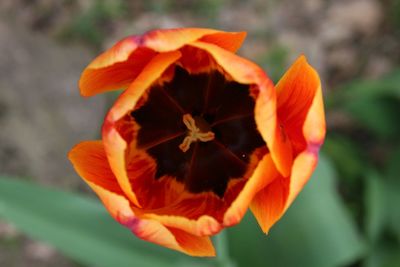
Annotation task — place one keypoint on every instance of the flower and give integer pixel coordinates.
(198, 136)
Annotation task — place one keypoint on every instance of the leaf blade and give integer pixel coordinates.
(317, 220)
(79, 227)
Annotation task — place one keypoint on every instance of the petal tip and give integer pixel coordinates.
(208, 226)
(231, 218)
(84, 84)
(242, 35)
(73, 153)
(302, 58)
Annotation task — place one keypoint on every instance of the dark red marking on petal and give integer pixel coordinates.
(217, 104)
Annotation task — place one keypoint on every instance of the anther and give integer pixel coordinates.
(194, 134)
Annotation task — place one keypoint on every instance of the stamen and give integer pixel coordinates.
(194, 134)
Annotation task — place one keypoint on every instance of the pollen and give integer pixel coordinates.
(194, 133)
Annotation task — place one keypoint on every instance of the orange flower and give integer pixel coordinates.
(198, 136)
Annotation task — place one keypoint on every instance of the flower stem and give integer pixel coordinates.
(222, 247)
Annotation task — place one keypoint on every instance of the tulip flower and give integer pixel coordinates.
(198, 136)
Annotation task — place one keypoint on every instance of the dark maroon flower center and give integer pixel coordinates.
(200, 129)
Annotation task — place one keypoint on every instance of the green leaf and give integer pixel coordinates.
(376, 201)
(388, 85)
(383, 254)
(393, 166)
(79, 227)
(275, 61)
(316, 231)
(346, 155)
(374, 104)
(393, 192)
(378, 114)
(383, 215)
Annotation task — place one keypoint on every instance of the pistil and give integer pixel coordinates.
(194, 134)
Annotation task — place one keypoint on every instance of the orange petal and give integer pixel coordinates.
(246, 72)
(301, 112)
(205, 225)
(264, 174)
(300, 97)
(114, 144)
(166, 201)
(195, 214)
(172, 238)
(90, 161)
(154, 231)
(313, 130)
(117, 67)
(303, 168)
(153, 71)
(172, 39)
(193, 245)
(241, 69)
(269, 128)
(227, 40)
(269, 205)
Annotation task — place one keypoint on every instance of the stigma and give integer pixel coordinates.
(195, 133)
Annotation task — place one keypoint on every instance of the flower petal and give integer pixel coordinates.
(203, 226)
(303, 167)
(241, 69)
(153, 71)
(244, 71)
(269, 205)
(193, 245)
(299, 96)
(172, 39)
(116, 147)
(155, 232)
(114, 144)
(313, 131)
(264, 174)
(268, 125)
(90, 161)
(191, 213)
(300, 110)
(314, 128)
(166, 201)
(117, 67)
(230, 41)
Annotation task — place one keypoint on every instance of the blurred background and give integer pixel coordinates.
(348, 214)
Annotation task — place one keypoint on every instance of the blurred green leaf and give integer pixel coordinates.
(79, 227)
(316, 231)
(394, 14)
(393, 166)
(393, 191)
(383, 215)
(379, 114)
(92, 25)
(375, 205)
(346, 155)
(158, 6)
(207, 9)
(374, 104)
(383, 254)
(388, 85)
(275, 61)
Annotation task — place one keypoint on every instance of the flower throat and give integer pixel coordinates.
(199, 129)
